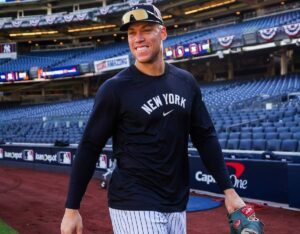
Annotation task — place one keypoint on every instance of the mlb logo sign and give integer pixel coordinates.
(28, 155)
(1, 153)
(64, 157)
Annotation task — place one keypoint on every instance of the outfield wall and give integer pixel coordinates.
(260, 179)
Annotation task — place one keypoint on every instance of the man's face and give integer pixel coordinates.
(145, 41)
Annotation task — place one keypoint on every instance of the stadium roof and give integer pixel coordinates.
(103, 17)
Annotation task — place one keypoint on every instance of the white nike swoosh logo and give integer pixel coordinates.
(169, 112)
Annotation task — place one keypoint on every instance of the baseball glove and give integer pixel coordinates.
(244, 221)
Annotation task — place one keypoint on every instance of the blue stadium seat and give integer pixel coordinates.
(295, 129)
(285, 135)
(257, 129)
(245, 144)
(232, 144)
(258, 135)
(291, 124)
(246, 129)
(267, 125)
(234, 135)
(246, 135)
(259, 144)
(270, 129)
(289, 145)
(283, 129)
(271, 135)
(223, 135)
(278, 124)
(296, 136)
(223, 143)
(273, 145)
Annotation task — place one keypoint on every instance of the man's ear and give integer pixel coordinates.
(163, 32)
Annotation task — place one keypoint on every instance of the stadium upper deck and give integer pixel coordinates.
(189, 24)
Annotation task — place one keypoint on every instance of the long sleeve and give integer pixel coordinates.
(99, 128)
(205, 139)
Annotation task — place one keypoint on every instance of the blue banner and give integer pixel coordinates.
(61, 156)
(256, 179)
(58, 72)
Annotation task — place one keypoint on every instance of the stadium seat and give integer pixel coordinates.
(270, 129)
(285, 135)
(289, 145)
(246, 129)
(259, 144)
(291, 124)
(271, 135)
(267, 125)
(223, 135)
(296, 136)
(273, 145)
(246, 135)
(283, 129)
(278, 124)
(258, 135)
(257, 129)
(234, 135)
(245, 144)
(223, 143)
(295, 129)
(232, 144)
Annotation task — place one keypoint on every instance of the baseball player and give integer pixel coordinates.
(149, 109)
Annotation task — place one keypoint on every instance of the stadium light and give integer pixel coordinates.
(33, 33)
(209, 6)
(286, 41)
(92, 28)
(167, 17)
(258, 47)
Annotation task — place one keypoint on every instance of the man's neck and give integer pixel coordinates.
(151, 69)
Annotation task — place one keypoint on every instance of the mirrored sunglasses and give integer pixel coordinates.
(138, 14)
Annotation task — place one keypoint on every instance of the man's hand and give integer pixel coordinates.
(233, 201)
(245, 221)
(71, 222)
(241, 218)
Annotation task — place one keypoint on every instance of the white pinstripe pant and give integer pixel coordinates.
(147, 222)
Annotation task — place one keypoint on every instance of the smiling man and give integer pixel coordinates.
(149, 109)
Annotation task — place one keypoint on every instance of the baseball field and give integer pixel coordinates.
(32, 201)
(5, 229)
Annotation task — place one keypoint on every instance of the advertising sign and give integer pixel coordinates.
(60, 72)
(257, 179)
(13, 76)
(188, 50)
(111, 64)
(64, 157)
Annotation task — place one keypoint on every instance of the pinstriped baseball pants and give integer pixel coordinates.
(147, 222)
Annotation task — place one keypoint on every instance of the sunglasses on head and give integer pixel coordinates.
(138, 14)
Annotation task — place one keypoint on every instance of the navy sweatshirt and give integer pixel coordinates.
(150, 119)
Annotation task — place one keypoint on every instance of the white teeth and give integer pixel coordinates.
(141, 48)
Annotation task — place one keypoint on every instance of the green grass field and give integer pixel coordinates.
(5, 229)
